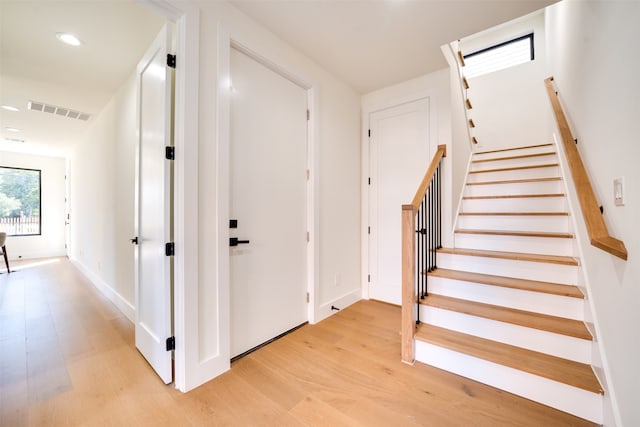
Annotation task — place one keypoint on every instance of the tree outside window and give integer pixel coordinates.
(20, 201)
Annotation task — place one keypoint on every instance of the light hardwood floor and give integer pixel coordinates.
(67, 357)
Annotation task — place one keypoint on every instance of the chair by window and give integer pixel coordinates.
(3, 239)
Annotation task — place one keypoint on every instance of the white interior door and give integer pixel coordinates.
(399, 157)
(268, 187)
(153, 216)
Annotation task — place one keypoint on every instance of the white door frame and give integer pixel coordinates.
(367, 110)
(225, 42)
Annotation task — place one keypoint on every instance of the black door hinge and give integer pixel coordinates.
(171, 60)
(170, 153)
(170, 249)
(369, 133)
(171, 343)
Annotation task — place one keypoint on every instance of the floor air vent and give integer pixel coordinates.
(58, 111)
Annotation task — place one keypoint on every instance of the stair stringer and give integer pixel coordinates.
(611, 415)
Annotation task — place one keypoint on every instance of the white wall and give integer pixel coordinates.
(336, 173)
(592, 56)
(435, 86)
(102, 198)
(508, 105)
(51, 242)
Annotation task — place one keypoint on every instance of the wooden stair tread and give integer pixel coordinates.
(523, 156)
(515, 213)
(516, 181)
(564, 371)
(528, 319)
(515, 168)
(513, 196)
(517, 233)
(510, 282)
(518, 256)
(514, 148)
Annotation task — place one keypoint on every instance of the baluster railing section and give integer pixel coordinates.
(421, 237)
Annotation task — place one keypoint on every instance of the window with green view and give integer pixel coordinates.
(20, 201)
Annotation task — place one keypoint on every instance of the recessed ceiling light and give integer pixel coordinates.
(68, 39)
(10, 108)
(10, 129)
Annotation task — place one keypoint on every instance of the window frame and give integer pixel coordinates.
(39, 233)
(532, 54)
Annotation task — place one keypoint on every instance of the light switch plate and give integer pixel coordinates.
(618, 191)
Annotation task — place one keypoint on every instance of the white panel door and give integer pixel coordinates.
(153, 186)
(399, 157)
(268, 187)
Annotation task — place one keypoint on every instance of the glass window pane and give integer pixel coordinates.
(499, 57)
(20, 201)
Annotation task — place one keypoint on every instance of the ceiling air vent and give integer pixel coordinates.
(58, 111)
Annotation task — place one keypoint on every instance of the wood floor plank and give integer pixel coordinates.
(517, 233)
(561, 370)
(518, 256)
(515, 168)
(513, 196)
(516, 181)
(543, 322)
(344, 370)
(522, 156)
(514, 213)
(510, 282)
(514, 148)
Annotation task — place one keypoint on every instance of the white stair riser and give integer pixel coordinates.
(546, 172)
(533, 204)
(520, 188)
(555, 273)
(533, 339)
(566, 398)
(530, 245)
(555, 223)
(518, 152)
(538, 302)
(507, 163)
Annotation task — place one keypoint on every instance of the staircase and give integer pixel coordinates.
(503, 306)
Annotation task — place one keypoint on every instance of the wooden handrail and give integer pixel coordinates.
(597, 229)
(422, 189)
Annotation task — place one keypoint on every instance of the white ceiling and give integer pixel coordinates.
(372, 44)
(369, 44)
(36, 66)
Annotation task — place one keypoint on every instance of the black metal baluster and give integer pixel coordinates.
(431, 221)
(439, 210)
(419, 251)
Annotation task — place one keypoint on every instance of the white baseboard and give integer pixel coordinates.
(34, 255)
(118, 300)
(323, 311)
